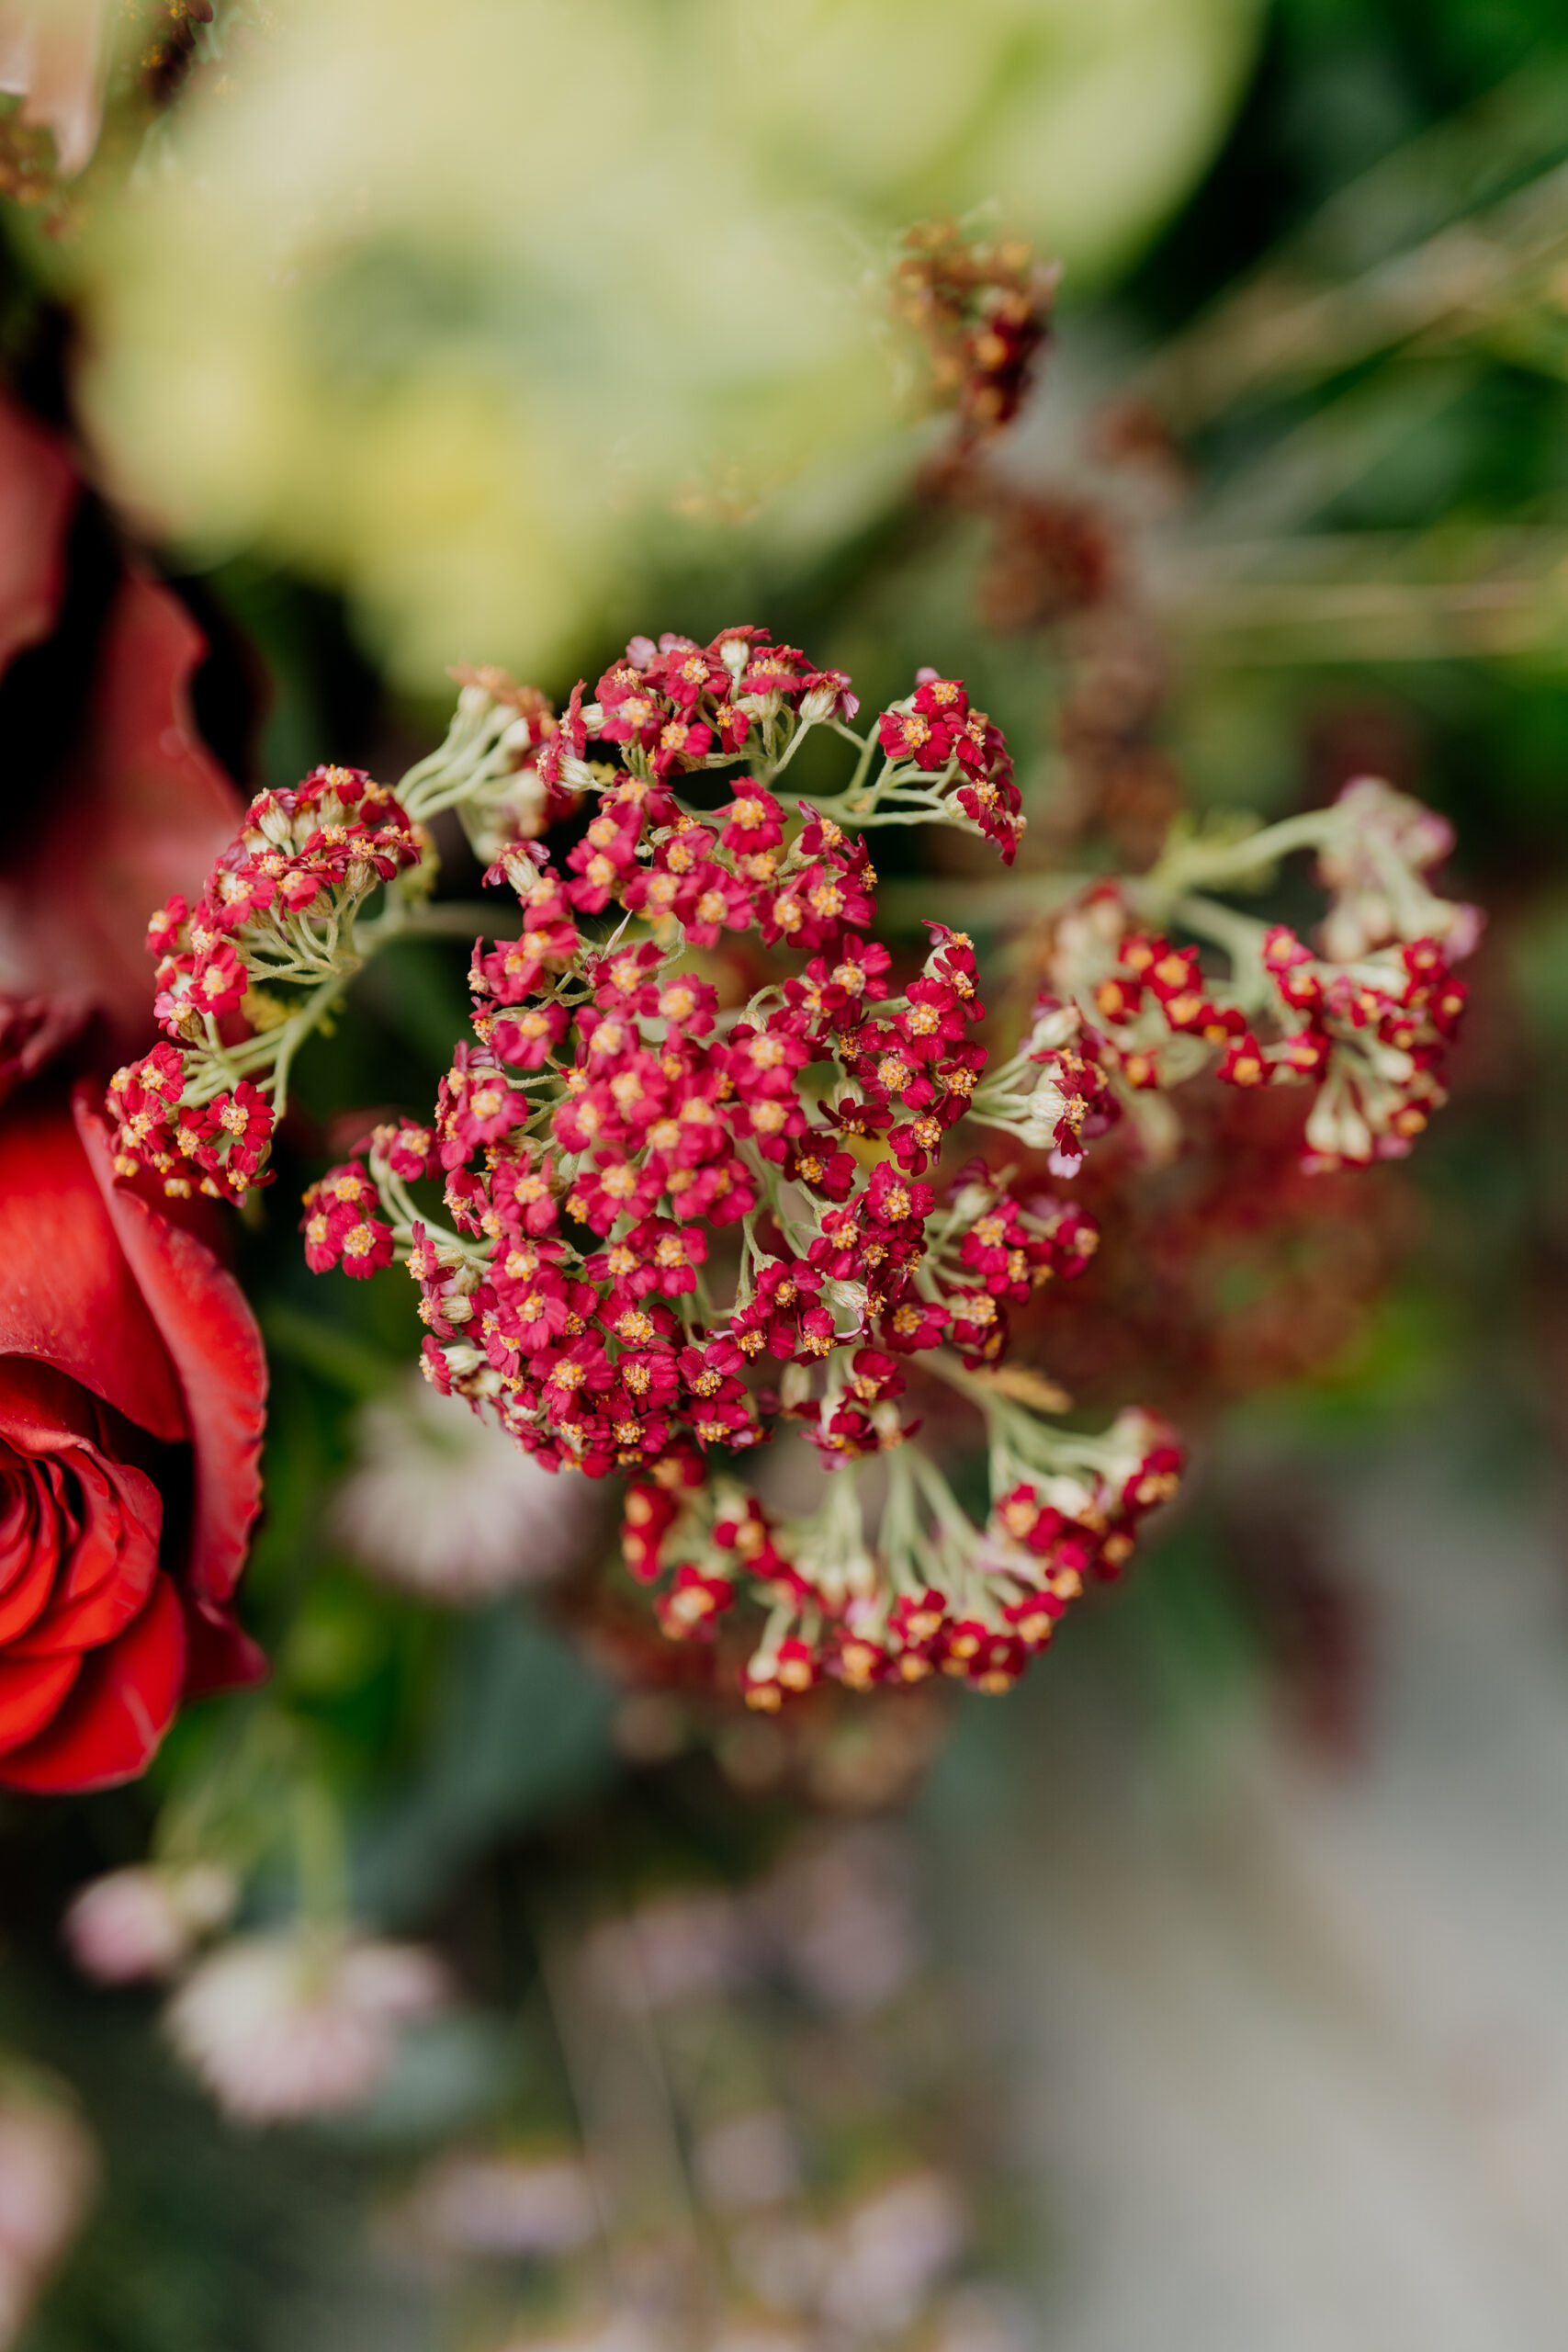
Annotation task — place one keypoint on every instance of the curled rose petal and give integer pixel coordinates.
(211, 1337)
(119, 1709)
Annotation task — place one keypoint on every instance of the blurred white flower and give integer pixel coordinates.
(751, 2160)
(448, 1506)
(470, 2204)
(623, 2331)
(51, 56)
(841, 1906)
(677, 1948)
(889, 2253)
(281, 2027)
(49, 2168)
(144, 1922)
(389, 312)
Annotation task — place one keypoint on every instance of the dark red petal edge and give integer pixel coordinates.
(67, 1297)
(212, 1336)
(38, 491)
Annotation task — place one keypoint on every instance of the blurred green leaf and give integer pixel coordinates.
(522, 1728)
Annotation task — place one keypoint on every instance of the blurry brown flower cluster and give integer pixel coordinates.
(983, 308)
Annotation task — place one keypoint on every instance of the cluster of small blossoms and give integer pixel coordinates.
(984, 311)
(935, 730)
(937, 1594)
(285, 922)
(1367, 1024)
(276, 918)
(671, 1229)
(507, 799)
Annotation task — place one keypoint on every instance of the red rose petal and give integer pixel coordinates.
(29, 1547)
(144, 809)
(112, 1567)
(113, 1719)
(220, 1653)
(31, 1693)
(67, 1296)
(37, 489)
(43, 1409)
(213, 1337)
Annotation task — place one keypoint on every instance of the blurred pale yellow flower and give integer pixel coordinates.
(449, 304)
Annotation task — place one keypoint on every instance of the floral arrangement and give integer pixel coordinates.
(752, 1289)
(668, 1228)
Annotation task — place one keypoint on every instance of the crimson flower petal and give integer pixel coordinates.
(213, 1337)
(60, 1251)
(38, 491)
(122, 1702)
(29, 1557)
(144, 810)
(31, 1693)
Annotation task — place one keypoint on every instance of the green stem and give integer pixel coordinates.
(1212, 865)
(795, 741)
(298, 1027)
(320, 1861)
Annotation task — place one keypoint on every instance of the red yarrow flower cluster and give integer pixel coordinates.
(331, 839)
(272, 916)
(936, 731)
(217, 1147)
(666, 1230)
(1371, 1038)
(1366, 1020)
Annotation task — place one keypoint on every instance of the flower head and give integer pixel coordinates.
(282, 2027)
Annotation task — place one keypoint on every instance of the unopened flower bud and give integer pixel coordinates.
(1055, 1025)
(1336, 1128)
(1047, 1106)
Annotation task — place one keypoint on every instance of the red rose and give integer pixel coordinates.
(131, 1390)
